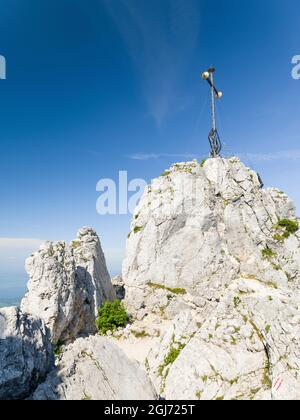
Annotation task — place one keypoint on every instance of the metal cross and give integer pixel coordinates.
(214, 138)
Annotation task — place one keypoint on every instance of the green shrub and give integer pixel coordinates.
(111, 316)
(289, 228)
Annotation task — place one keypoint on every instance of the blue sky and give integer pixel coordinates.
(106, 85)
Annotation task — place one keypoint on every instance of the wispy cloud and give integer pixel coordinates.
(285, 155)
(20, 243)
(154, 156)
(161, 42)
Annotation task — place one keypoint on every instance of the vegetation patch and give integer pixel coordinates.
(257, 331)
(173, 354)
(170, 358)
(58, 350)
(86, 397)
(198, 394)
(166, 173)
(183, 168)
(112, 315)
(233, 340)
(268, 253)
(203, 163)
(272, 284)
(291, 226)
(176, 291)
(287, 228)
(137, 229)
(253, 392)
(236, 301)
(250, 277)
(75, 244)
(276, 267)
(266, 381)
(140, 334)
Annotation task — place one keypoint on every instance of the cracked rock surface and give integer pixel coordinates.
(26, 354)
(95, 369)
(68, 283)
(219, 256)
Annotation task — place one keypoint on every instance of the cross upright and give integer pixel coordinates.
(214, 138)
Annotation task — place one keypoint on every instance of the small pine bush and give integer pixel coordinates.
(112, 315)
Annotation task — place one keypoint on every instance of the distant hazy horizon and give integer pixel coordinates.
(12, 288)
(9, 302)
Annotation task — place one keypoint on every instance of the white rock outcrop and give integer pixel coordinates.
(209, 246)
(67, 285)
(26, 354)
(198, 228)
(247, 349)
(212, 281)
(95, 369)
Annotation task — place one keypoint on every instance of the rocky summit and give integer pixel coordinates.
(68, 283)
(211, 280)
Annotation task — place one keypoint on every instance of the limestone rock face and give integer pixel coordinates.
(95, 369)
(67, 285)
(172, 342)
(217, 254)
(248, 348)
(198, 228)
(91, 266)
(26, 354)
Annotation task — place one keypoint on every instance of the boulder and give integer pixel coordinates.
(95, 369)
(26, 354)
